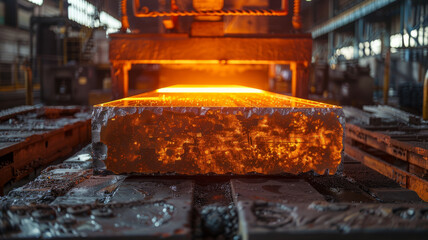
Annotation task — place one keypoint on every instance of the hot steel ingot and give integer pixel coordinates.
(222, 129)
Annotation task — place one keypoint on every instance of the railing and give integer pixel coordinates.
(143, 11)
(87, 43)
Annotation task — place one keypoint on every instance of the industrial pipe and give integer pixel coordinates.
(124, 16)
(425, 104)
(297, 19)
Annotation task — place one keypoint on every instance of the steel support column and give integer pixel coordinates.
(119, 78)
(181, 49)
(359, 11)
(425, 103)
(359, 32)
(330, 44)
(302, 80)
(386, 77)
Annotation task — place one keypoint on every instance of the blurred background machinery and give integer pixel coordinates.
(210, 45)
(388, 38)
(380, 43)
(63, 43)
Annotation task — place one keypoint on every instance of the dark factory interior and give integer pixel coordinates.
(214, 119)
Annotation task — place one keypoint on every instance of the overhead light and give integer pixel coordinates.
(83, 12)
(38, 2)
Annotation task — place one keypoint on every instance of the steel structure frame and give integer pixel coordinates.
(413, 16)
(294, 50)
(143, 11)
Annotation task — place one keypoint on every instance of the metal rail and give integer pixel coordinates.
(356, 12)
(143, 11)
(402, 177)
(28, 145)
(223, 12)
(407, 152)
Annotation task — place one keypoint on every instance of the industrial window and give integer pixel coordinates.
(2, 13)
(24, 17)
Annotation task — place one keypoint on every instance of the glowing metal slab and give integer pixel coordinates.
(218, 129)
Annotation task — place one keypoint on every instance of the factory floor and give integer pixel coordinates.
(71, 199)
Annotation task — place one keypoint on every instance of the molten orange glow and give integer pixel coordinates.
(214, 96)
(208, 89)
(198, 131)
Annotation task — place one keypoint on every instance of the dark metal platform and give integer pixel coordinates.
(392, 142)
(33, 136)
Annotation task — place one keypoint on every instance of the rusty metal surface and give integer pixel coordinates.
(395, 146)
(152, 189)
(49, 185)
(53, 181)
(385, 111)
(222, 12)
(402, 177)
(94, 189)
(97, 208)
(19, 127)
(413, 152)
(179, 48)
(321, 220)
(364, 117)
(203, 9)
(276, 190)
(394, 132)
(31, 137)
(249, 130)
(11, 112)
(139, 219)
(68, 201)
(380, 187)
(340, 189)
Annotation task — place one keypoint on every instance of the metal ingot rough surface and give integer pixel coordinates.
(223, 129)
